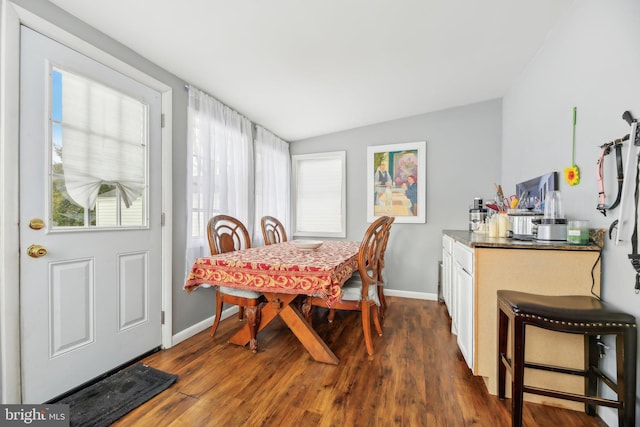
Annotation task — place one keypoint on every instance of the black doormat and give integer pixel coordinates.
(104, 402)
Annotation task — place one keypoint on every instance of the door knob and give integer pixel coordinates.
(36, 251)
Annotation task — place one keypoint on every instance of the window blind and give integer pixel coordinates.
(104, 134)
(319, 197)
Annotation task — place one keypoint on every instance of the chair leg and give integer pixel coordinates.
(517, 369)
(331, 315)
(365, 309)
(383, 302)
(216, 321)
(503, 327)
(591, 356)
(240, 312)
(253, 320)
(306, 309)
(626, 344)
(376, 318)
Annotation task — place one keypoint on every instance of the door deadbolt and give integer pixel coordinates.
(36, 251)
(36, 223)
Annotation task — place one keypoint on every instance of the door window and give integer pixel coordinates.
(99, 155)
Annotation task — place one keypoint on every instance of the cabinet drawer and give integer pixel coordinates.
(447, 244)
(463, 255)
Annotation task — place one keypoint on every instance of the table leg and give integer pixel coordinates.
(279, 304)
(268, 312)
(308, 336)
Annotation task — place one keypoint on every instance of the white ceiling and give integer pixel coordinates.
(302, 68)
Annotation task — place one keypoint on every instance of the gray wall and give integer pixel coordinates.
(463, 162)
(591, 61)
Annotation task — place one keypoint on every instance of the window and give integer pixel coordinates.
(319, 194)
(205, 203)
(220, 177)
(272, 181)
(219, 158)
(99, 150)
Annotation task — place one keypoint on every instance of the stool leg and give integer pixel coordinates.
(517, 368)
(626, 349)
(503, 327)
(591, 361)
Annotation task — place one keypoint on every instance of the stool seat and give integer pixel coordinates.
(574, 314)
(565, 308)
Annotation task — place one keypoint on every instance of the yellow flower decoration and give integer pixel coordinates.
(572, 175)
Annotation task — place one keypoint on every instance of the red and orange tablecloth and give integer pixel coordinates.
(280, 268)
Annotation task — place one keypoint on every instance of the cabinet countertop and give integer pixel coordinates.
(477, 240)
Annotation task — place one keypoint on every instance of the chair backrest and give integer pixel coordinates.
(227, 234)
(369, 253)
(383, 247)
(272, 230)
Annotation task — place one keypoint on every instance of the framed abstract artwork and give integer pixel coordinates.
(396, 182)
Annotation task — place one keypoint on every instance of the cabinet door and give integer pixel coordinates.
(456, 270)
(464, 311)
(446, 279)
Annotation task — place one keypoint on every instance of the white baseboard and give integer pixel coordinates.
(206, 323)
(201, 326)
(410, 294)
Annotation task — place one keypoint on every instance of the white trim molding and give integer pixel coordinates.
(203, 325)
(410, 294)
(9, 213)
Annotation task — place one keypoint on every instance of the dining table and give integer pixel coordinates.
(281, 272)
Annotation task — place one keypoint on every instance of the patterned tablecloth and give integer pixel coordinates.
(280, 268)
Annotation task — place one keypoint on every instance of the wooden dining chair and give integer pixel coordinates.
(228, 234)
(361, 295)
(382, 277)
(355, 280)
(272, 230)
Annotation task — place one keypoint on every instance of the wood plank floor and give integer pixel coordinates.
(416, 378)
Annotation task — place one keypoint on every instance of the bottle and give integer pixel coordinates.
(503, 224)
(493, 225)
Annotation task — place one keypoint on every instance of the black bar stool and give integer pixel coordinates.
(583, 315)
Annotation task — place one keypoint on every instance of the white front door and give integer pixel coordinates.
(90, 218)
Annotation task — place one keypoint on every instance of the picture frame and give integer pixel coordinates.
(535, 190)
(396, 182)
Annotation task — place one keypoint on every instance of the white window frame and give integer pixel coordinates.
(296, 160)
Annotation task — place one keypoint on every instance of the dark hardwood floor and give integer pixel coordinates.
(416, 378)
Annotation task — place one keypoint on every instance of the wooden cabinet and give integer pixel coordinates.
(548, 269)
(547, 272)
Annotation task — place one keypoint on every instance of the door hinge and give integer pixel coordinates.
(162, 317)
(162, 120)
(162, 219)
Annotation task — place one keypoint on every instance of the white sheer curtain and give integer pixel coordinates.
(220, 178)
(273, 181)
